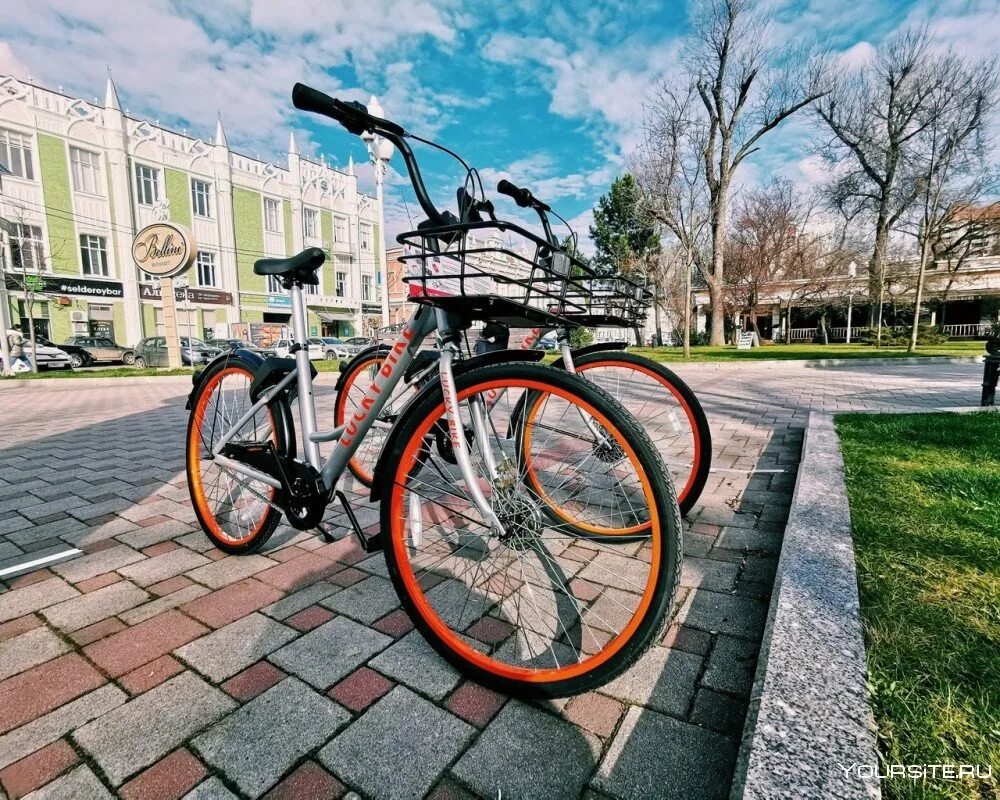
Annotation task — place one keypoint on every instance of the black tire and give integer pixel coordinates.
(662, 585)
(140, 363)
(687, 398)
(281, 425)
(128, 359)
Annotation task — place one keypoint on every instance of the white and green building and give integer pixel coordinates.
(87, 176)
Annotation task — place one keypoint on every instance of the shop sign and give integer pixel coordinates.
(279, 301)
(56, 284)
(164, 249)
(191, 294)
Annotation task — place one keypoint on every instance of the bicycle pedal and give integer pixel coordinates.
(370, 544)
(324, 531)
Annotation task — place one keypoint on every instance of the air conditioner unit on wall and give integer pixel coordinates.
(78, 316)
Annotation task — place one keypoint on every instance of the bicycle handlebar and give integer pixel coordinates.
(523, 197)
(354, 117)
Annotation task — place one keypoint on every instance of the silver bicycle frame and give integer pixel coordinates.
(348, 437)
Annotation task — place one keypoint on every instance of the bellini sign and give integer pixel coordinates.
(164, 249)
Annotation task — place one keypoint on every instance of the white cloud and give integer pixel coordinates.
(11, 64)
(856, 56)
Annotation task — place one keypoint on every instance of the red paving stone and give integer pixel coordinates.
(286, 554)
(43, 688)
(253, 681)
(38, 769)
(169, 586)
(360, 689)
(161, 547)
(447, 789)
(310, 618)
(475, 703)
(299, 572)
(309, 782)
(98, 582)
(348, 577)
(215, 555)
(169, 779)
(395, 624)
(144, 642)
(490, 630)
(98, 630)
(149, 522)
(687, 639)
(103, 544)
(584, 591)
(32, 577)
(232, 602)
(346, 551)
(149, 675)
(15, 627)
(595, 713)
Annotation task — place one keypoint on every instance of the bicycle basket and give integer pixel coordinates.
(609, 302)
(493, 270)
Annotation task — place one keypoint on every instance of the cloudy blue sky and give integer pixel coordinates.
(549, 94)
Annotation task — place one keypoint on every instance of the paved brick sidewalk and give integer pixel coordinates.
(152, 665)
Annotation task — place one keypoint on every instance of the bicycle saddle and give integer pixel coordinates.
(301, 267)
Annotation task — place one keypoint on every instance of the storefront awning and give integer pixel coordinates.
(334, 316)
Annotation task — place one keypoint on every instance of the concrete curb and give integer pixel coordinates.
(809, 719)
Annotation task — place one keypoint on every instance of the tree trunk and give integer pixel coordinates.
(876, 272)
(716, 295)
(920, 295)
(31, 335)
(716, 287)
(788, 323)
(687, 307)
(656, 314)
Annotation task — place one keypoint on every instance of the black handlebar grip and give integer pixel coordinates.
(353, 116)
(520, 196)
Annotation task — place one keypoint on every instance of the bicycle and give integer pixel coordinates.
(503, 592)
(657, 397)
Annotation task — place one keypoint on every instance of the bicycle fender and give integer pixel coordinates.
(596, 347)
(252, 359)
(434, 385)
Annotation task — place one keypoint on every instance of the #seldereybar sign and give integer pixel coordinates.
(164, 249)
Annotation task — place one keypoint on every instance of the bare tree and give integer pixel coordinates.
(879, 117)
(744, 90)
(670, 170)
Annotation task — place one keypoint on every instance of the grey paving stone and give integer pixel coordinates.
(79, 784)
(255, 745)
(212, 789)
(375, 565)
(367, 601)
(8, 550)
(302, 599)
(324, 656)
(89, 511)
(526, 752)
(230, 569)
(42, 731)
(196, 541)
(724, 613)
(731, 666)
(98, 563)
(704, 573)
(657, 757)
(223, 653)
(414, 662)
(149, 610)
(18, 602)
(46, 531)
(663, 679)
(154, 570)
(149, 726)
(417, 741)
(92, 607)
(146, 537)
(29, 649)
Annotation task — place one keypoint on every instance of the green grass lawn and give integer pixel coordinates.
(925, 506)
(809, 351)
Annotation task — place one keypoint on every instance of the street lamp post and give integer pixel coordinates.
(852, 272)
(380, 151)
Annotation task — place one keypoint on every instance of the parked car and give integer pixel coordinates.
(99, 348)
(335, 348)
(237, 344)
(317, 350)
(47, 355)
(548, 342)
(152, 352)
(358, 343)
(78, 357)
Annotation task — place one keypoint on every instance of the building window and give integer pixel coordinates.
(310, 223)
(339, 229)
(272, 216)
(206, 268)
(86, 169)
(15, 154)
(26, 250)
(274, 285)
(366, 287)
(200, 199)
(341, 283)
(94, 253)
(308, 288)
(366, 237)
(147, 184)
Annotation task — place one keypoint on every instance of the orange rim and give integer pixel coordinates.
(340, 417)
(416, 593)
(683, 404)
(205, 513)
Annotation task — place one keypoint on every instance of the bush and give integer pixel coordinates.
(580, 337)
(698, 338)
(926, 334)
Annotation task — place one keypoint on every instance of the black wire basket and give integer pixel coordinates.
(608, 302)
(495, 270)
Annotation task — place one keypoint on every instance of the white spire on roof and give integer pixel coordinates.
(220, 134)
(292, 149)
(350, 165)
(111, 94)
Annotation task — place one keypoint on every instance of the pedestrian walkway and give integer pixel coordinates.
(150, 663)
